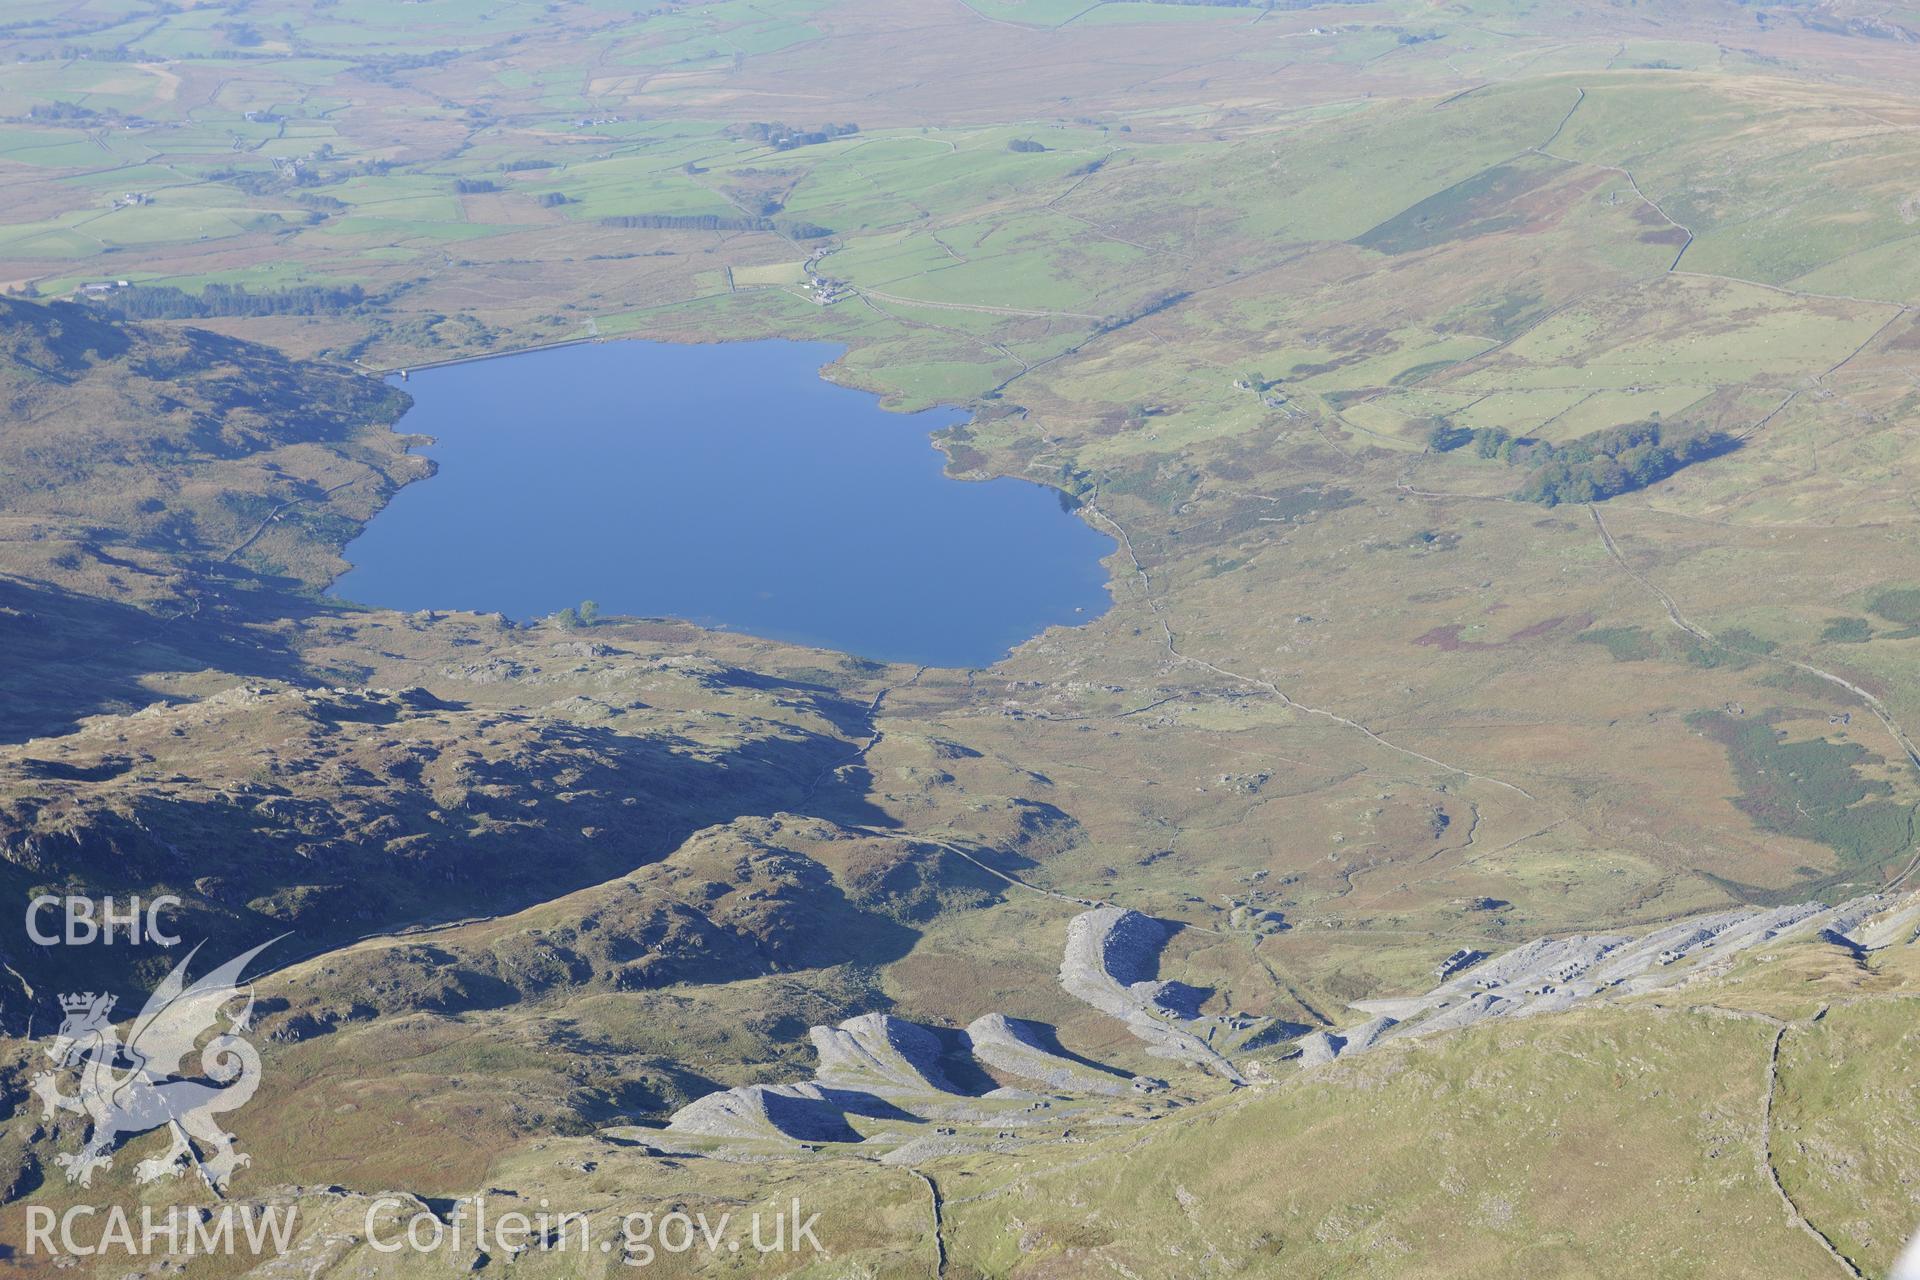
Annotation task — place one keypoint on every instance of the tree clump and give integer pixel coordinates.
(782, 137)
(1594, 467)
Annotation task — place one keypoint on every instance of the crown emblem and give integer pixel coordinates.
(158, 1088)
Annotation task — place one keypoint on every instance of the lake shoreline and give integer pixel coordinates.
(731, 484)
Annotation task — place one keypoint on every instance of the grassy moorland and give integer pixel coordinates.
(1359, 325)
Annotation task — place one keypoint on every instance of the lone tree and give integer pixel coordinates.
(589, 612)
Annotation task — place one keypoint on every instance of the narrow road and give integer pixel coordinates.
(1008, 876)
(1680, 620)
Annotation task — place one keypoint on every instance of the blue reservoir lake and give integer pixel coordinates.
(726, 484)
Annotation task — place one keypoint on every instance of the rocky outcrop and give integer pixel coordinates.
(1366, 1034)
(1112, 960)
(887, 1068)
(880, 1054)
(1324, 1046)
(796, 1112)
(1550, 975)
(1320, 1046)
(1888, 929)
(1027, 1050)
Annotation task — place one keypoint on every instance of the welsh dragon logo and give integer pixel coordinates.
(131, 1087)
